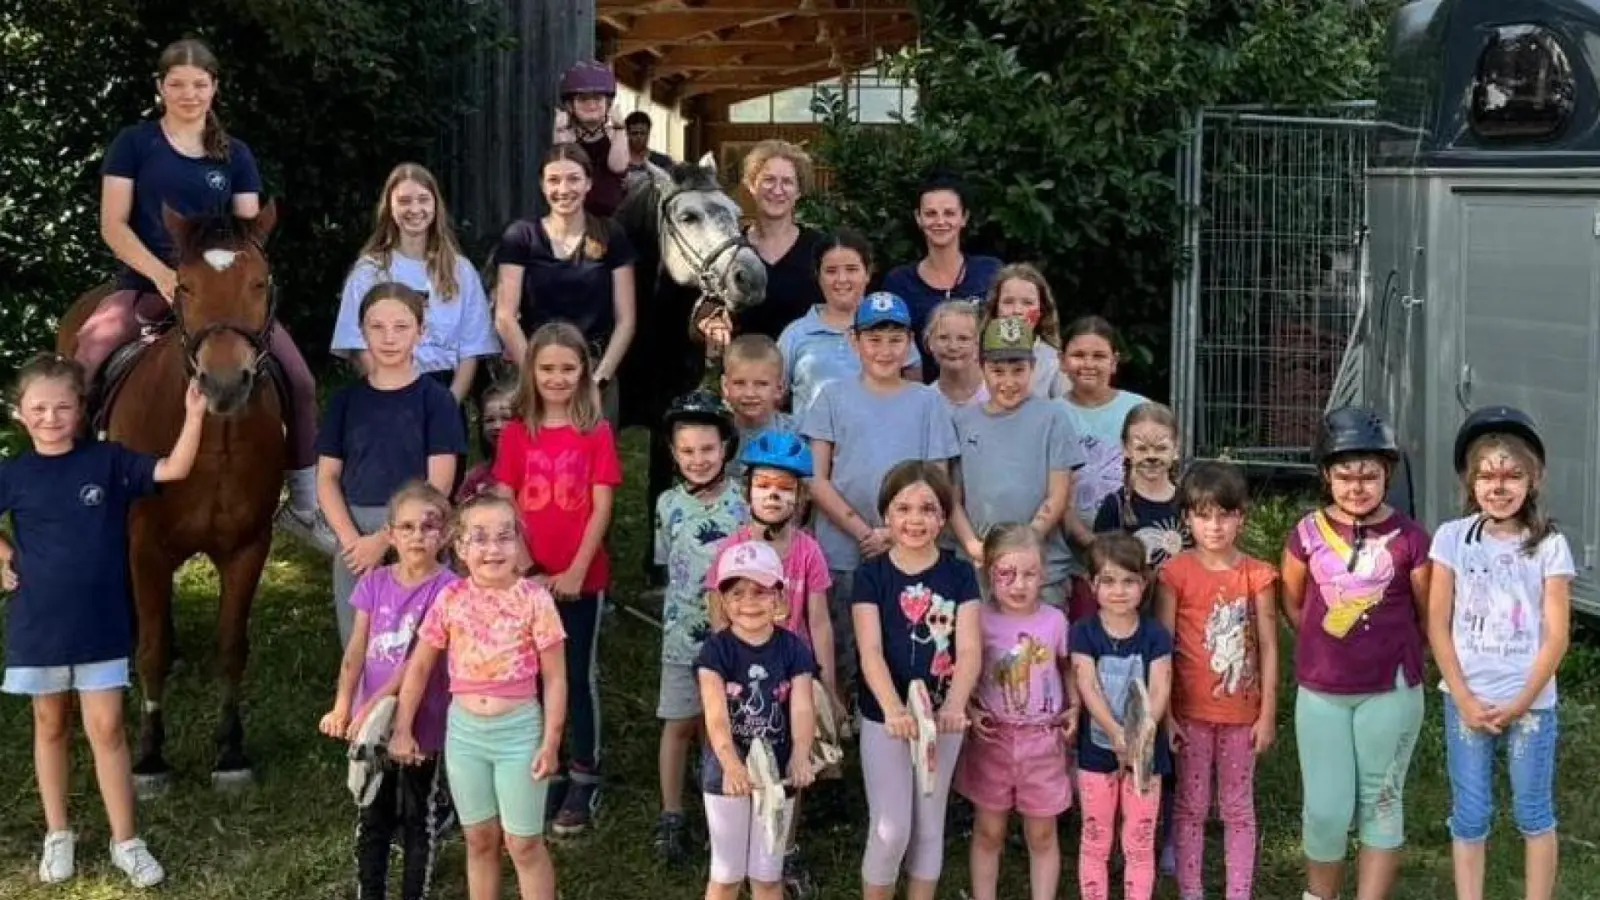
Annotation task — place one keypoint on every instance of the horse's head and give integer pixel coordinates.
(701, 243)
(224, 303)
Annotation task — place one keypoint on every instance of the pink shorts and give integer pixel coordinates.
(1022, 768)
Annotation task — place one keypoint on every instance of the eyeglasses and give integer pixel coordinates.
(481, 540)
(772, 182)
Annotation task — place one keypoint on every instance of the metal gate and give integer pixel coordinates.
(1269, 297)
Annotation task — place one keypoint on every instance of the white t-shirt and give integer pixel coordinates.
(1499, 605)
(454, 329)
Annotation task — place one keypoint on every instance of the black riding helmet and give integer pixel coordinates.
(1496, 420)
(702, 407)
(1353, 430)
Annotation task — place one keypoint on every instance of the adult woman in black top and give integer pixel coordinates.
(777, 173)
(569, 265)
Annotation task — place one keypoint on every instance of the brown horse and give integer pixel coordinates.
(223, 310)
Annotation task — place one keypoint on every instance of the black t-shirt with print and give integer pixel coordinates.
(1158, 524)
(757, 680)
(576, 289)
(791, 289)
(917, 621)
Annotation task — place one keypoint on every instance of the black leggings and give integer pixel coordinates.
(413, 801)
(580, 618)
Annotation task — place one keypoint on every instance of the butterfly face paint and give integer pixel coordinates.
(1015, 580)
(1500, 483)
(774, 496)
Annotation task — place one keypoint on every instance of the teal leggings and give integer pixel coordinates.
(1354, 753)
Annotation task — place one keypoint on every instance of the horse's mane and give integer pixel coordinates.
(212, 231)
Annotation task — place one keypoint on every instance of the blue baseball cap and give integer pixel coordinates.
(882, 308)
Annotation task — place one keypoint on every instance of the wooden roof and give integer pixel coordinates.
(726, 50)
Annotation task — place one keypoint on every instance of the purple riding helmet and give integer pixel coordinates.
(589, 77)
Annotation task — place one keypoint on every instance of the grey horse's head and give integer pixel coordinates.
(701, 243)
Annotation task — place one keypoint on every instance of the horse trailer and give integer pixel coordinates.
(1483, 250)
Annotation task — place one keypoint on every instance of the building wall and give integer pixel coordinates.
(667, 122)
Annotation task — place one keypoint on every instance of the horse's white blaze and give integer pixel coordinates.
(220, 259)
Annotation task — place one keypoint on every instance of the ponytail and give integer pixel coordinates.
(215, 138)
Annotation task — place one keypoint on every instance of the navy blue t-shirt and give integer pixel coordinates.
(1118, 660)
(921, 297)
(386, 437)
(190, 186)
(70, 522)
(917, 621)
(758, 681)
(576, 289)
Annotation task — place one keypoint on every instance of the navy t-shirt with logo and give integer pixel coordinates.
(757, 680)
(976, 278)
(160, 174)
(576, 289)
(70, 529)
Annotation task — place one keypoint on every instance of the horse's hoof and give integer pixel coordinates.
(150, 787)
(232, 780)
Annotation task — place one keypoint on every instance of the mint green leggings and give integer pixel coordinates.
(1354, 753)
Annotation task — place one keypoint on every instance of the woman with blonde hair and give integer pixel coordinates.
(776, 175)
(413, 243)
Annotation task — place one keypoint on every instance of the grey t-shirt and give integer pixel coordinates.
(871, 433)
(1006, 461)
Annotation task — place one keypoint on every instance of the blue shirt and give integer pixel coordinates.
(386, 437)
(758, 680)
(160, 174)
(916, 621)
(1118, 661)
(976, 278)
(70, 528)
(816, 353)
(455, 329)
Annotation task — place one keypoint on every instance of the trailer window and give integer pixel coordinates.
(1524, 87)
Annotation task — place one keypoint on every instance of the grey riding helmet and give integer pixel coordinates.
(1353, 430)
(1497, 420)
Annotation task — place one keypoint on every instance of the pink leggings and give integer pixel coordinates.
(116, 322)
(1102, 794)
(906, 829)
(1224, 751)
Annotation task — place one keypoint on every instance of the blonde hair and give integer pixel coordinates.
(753, 348)
(771, 149)
(1011, 537)
(1532, 519)
(952, 308)
(418, 491)
(1048, 328)
(483, 500)
(443, 251)
(584, 412)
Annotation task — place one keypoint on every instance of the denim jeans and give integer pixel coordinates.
(1530, 745)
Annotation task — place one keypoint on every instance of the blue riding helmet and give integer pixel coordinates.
(782, 450)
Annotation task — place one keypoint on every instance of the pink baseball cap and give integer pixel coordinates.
(755, 560)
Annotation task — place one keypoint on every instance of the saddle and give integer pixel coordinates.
(106, 385)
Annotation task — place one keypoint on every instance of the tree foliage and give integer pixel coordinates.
(1063, 117)
(330, 94)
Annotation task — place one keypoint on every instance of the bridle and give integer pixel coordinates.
(706, 277)
(258, 339)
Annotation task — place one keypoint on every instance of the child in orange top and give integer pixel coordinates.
(1221, 607)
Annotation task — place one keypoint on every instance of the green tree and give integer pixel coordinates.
(1063, 117)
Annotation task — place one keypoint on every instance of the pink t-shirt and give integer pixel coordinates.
(493, 636)
(1021, 683)
(805, 572)
(552, 475)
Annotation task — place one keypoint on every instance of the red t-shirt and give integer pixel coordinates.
(552, 475)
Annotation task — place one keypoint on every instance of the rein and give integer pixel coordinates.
(258, 338)
(711, 291)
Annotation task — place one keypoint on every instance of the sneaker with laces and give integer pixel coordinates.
(578, 807)
(135, 861)
(58, 861)
(672, 839)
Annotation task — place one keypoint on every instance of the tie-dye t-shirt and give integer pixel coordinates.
(689, 531)
(1100, 430)
(1022, 660)
(493, 636)
(1359, 621)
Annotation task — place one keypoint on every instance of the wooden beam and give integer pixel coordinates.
(801, 72)
(754, 7)
(667, 28)
(699, 57)
(793, 32)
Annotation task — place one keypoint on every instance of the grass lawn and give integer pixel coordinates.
(291, 835)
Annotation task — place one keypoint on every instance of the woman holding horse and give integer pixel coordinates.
(776, 175)
(944, 272)
(185, 160)
(569, 266)
(413, 242)
(588, 118)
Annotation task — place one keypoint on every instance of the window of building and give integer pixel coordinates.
(871, 97)
(1524, 87)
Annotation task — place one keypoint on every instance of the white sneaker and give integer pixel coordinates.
(57, 862)
(135, 861)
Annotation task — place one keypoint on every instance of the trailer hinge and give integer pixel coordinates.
(1597, 223)
(1588, 556)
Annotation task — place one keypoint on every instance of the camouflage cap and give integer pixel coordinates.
(1006, 338)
